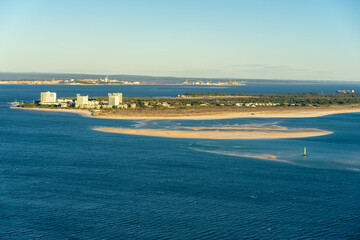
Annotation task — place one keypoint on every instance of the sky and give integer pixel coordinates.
(262, 39)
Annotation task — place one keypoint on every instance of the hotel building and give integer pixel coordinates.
(115, 99)
(81, 101)
(47, 98)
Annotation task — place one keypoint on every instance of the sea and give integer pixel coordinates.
(61, 179)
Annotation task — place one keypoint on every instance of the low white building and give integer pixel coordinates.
(125, 106)
(165, 104)
(64, 100)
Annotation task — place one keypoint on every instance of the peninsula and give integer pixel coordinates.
(200, 106)
(205, 106)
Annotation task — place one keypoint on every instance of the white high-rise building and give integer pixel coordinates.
(47, 97)
(82, 100)
(115, 99)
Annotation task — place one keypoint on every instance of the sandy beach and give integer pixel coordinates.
(263, 134)
(85, 113)
(295, 113)
(237, 127)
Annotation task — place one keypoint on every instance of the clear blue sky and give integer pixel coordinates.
(307, 39)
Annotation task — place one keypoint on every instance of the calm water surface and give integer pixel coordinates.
(60, 179)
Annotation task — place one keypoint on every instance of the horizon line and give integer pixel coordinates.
(156, 76)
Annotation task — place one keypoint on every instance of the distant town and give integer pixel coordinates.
(215, 83)
(107, 81)
(100, 81)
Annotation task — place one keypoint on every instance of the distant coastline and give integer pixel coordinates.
(161, 80)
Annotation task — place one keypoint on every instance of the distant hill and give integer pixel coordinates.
(139, 78)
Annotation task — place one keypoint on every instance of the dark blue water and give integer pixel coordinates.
(29, 92)
(60, 179)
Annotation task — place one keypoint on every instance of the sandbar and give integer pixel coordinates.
(238, 127)
(263, 156)
(293, 133)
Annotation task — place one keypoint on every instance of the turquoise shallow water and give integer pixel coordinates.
(61, 179)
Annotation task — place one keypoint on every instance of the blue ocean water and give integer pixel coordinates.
(60, 179)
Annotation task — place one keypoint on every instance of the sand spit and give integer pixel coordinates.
(265, 156)
(85, 112)
(269, 157)
(225, 115)
(217, 134)
(229, 115)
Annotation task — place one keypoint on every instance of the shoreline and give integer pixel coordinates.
(217, 135)
(85, 113)
(297, 113)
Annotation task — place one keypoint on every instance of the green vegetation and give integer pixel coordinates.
(221, 101)
(290, 99)
(33, 105)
